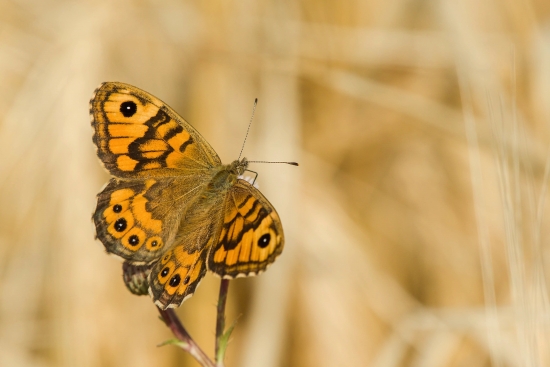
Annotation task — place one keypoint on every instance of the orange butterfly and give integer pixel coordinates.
(172, 209)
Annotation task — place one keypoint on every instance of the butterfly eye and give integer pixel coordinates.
(164, 271)
(117, 208)
(128, 108)
(263, 242)
(186, 280)
(175, 281)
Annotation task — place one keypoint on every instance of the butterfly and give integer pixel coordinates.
(172, 210)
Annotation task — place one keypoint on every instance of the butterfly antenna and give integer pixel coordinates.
(250, 123)
(291, 163)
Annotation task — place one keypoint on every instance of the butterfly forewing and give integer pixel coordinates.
(250, 237)
(137, 135)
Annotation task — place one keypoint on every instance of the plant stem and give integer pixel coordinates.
(187, 343)
(220, 322)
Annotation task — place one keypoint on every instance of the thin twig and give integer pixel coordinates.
(187, 343)
(220, 321)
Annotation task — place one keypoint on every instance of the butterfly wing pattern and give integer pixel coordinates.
(137, 135)
(251, 235)
(166, 211)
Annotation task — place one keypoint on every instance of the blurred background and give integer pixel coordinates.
(415, 225)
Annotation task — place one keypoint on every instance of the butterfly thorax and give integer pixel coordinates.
(210, 202)
(225, 176)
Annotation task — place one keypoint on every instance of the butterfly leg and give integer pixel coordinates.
(255, 177)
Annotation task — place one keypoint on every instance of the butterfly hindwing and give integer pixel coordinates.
(137, 135)
(134, 221)
(175, 276)
(250, 237)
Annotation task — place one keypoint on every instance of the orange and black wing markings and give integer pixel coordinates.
(176, 275)
(152, 150)
(137, 135)
(251, 235)
(129, 222)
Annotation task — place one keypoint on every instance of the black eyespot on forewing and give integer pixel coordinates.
(263, 242)
(128, 108)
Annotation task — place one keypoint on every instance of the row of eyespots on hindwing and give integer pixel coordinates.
(181, 268)
(129, 222)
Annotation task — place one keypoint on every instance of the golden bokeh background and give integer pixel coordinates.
(415, 225)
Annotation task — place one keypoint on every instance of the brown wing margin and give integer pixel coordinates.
(251, 234)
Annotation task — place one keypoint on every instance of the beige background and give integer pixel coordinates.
(416, 224)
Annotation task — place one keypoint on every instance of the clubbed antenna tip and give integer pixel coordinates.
(291, 163)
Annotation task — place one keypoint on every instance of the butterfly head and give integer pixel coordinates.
(239, 166)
